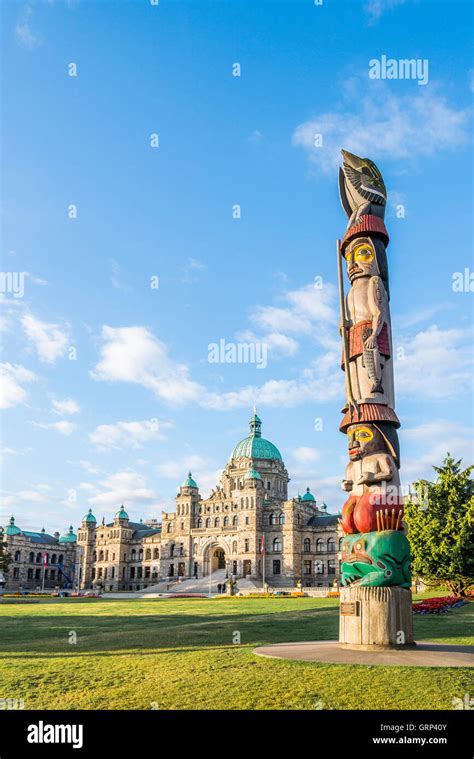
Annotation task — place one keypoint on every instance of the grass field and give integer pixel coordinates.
(180, 654)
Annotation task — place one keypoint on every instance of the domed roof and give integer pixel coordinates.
(69, 537)
(308, 496)
(89, 517)
(121, 514)
(12, 529)
(252, 475)
(254, 446)
(189, 482)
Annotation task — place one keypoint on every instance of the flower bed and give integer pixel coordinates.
(439, 605)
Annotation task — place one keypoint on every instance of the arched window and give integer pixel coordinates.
(199, 523)
(31, 557)
(281, 518)
(273, 519)
(181, 549)
(172, 549)
(319, 546)
(306, 545)
(208, 522)
(277, 545)
(148, 553)
(182, 525)
(246, 502)
(140, 554)
(340, 543)
(94, 556)
(234, 547)
(61, 558)
(53, 558)
(170, 527)
(17, 555)
(101, 556)
(235, 521)
(156, 553)
(331, 545)
(217, 522)
(38, 558)
(226, 521)
(134, 555)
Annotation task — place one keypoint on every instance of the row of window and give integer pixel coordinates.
(321, 545)
(319, 568)
(38, 558)
(103, 573)
(35, 574)
(217, 522)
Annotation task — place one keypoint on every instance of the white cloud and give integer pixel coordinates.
(203, 471)
(49, 341)
(277, 343)
(134, 354)
(125, 487)
(12, 379)
(63, 427)
(313, 385)
(437, 364)
(430, 442)
(128, 434)
(382, 124)
(66, 407)
(89, 468)
(376, 8)
(26, 36)
(305, 455)
(190, 270)
(308, 306)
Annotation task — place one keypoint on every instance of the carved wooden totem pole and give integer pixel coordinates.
(375, 597)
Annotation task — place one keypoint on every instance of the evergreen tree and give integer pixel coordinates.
(4, 557)
(440, 521)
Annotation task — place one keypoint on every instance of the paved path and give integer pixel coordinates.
(331, 652)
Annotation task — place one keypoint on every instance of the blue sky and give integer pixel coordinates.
(109, 396)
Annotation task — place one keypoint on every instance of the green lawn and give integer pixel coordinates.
(179, 654)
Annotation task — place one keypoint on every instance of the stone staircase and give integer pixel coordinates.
(191, 586)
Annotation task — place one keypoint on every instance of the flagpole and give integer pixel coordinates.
(263, 554)
(44, 565)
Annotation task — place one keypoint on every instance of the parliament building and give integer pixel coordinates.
(249, 507)
(247, 519)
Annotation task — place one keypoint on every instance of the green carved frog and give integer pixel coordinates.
(376, 559)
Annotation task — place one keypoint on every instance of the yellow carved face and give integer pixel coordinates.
(357, 440)
(360, 259)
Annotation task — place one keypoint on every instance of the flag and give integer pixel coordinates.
(45, 559)
(262, 548)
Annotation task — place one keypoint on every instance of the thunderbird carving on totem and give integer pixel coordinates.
(372, 514)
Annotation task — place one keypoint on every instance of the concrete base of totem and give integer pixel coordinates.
(375, 618)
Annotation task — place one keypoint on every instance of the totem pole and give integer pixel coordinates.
(375, 553)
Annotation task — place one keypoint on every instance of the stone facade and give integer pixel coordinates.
(39, 560)
(223, 531)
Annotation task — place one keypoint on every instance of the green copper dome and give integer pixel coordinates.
(308, 496)
(12, 529)
(69, 537)
(89, 517)
(253, 475)
(122, 514)
(189, 482)
(254, 446)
